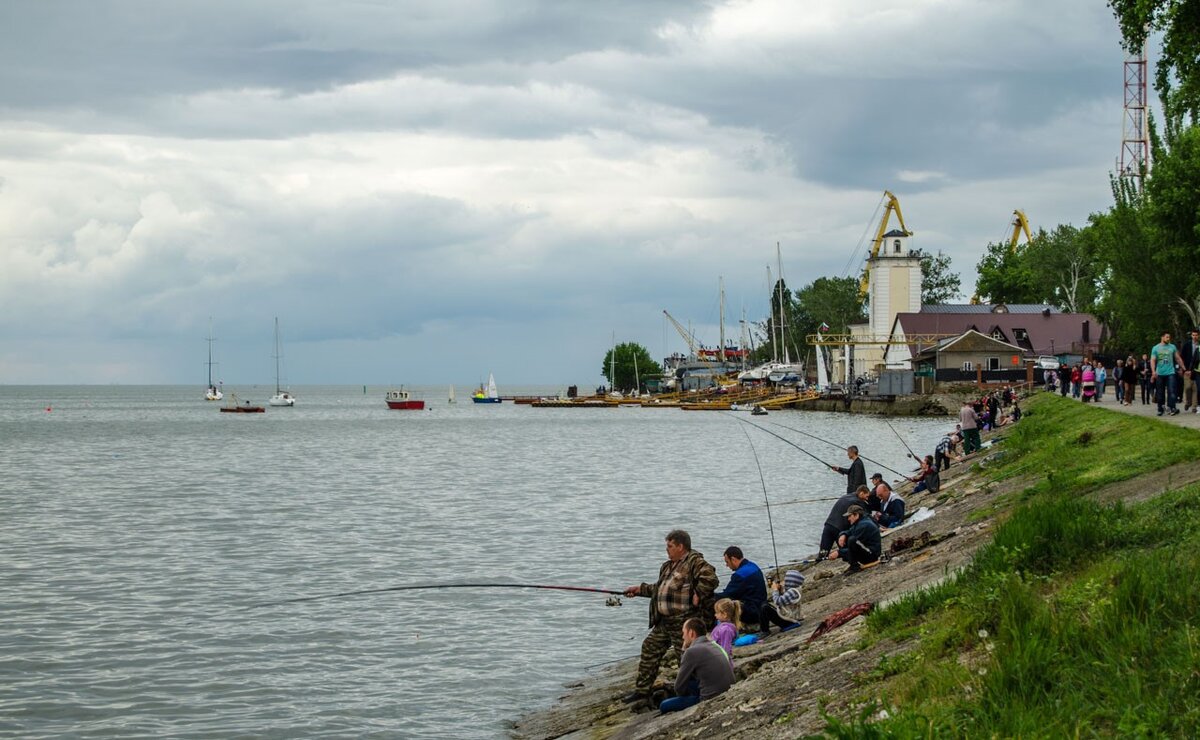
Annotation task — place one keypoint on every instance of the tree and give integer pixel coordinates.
(1177, 73)
(1004, 276)
(938, 284)
(632, 366)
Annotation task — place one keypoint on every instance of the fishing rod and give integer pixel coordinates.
(776, 505)
(763, 480)
(432, 586)
(911, 454)
(819, 439)
(778, 436)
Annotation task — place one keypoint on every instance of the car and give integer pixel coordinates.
(1047, 362)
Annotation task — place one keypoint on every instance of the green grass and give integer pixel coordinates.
(1078, 619)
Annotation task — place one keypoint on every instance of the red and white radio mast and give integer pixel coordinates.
(1135, 139)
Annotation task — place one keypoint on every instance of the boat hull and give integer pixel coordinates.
(476, 399)
(409, 405)
(282, 399)
(243, 410)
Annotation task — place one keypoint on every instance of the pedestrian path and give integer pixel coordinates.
(1183, 419)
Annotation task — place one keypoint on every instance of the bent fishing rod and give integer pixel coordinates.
(763, 480)
(777, 504)
(434, 586)
(911, 454)
(819, 439)
(778, 436)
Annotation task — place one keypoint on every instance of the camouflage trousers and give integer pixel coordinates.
(664, 636)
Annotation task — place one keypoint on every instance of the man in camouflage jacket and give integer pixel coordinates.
(685, 587)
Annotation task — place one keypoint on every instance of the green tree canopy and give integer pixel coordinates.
(938, 283)
(630, 368)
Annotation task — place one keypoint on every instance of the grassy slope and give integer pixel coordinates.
(1079, 619)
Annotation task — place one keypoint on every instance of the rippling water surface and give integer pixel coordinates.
(139, 526)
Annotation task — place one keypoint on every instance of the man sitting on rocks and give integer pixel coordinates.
(860, 544)
(891, 513)
(747, 585)
(704, 672)
(836, 521)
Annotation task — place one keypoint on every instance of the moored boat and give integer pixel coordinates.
(212, 393)
(281, 397)
(398, 398)
(237, 406)
(487, 394)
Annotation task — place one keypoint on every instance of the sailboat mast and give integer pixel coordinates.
(277, 355)
(210, 341)
(782, 320)
(721, 283)
(773, 322)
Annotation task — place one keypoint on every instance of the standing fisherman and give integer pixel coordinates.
(856, 475)
(686, 582)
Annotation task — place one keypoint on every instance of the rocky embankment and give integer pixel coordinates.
(787, 680)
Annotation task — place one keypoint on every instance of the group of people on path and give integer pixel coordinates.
(1165, 374)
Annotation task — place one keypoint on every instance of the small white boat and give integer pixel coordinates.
(281, 397)
(212, 393)
(452, 399)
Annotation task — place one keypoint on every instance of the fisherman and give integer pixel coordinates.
(686, 582)
(856, 475)
(746, 585)
(969, 420)
(874, 502)
(704, 672)
(784, 607)
(945, 452)
(860, 544)
(891, 513)
(836, 521)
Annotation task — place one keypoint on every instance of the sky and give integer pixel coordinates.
(424, 193)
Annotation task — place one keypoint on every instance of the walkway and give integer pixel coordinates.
(1184, 419)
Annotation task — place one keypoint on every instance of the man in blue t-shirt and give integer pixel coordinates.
(1164, 364)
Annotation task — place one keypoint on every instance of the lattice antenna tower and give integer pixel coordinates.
(1134, 163)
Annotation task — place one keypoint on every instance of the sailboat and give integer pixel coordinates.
(488, 394)
(213, 393)
(281, 397)
(452, 399)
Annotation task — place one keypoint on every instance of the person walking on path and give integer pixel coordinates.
(1191, 366)
(1119, 380)
(1130, 378)
(704, 672)
(1144, 373)
(1064, 380)
(684, 590)
(1164, 362)
(970, 427)
(856, 474)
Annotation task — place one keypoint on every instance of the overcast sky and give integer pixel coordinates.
(426, 192)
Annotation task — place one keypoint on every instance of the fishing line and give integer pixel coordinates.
(911, 454)
(770, 524)
(831, 444)
(778, 436)
(431, 586)
(776, 505)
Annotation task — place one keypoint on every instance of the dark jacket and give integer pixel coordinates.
(865, 540)
(856, 475)
(892, 513)
(1187, 353)
(749, 586)
(837, 515)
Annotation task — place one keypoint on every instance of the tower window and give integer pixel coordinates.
(896, 246)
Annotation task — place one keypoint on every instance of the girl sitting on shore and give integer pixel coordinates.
(729, 622)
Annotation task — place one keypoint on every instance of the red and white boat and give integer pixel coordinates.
(400, 399)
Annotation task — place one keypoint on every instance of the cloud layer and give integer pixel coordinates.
(422, 195)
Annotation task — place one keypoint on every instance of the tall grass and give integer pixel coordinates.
(1078, 619)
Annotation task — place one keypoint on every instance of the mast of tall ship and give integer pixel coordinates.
(782, 321)
(721, 283)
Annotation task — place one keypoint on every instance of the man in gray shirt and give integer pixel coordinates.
(704, 672)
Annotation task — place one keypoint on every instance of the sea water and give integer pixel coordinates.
(140, 528)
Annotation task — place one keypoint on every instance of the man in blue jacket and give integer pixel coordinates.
(746, 585)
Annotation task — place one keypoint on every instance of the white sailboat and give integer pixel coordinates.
(489, 394)
(452, 400)
(213, 393)
(281, 397)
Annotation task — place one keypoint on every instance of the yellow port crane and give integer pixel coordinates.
(864, 284)
(1019, 224)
